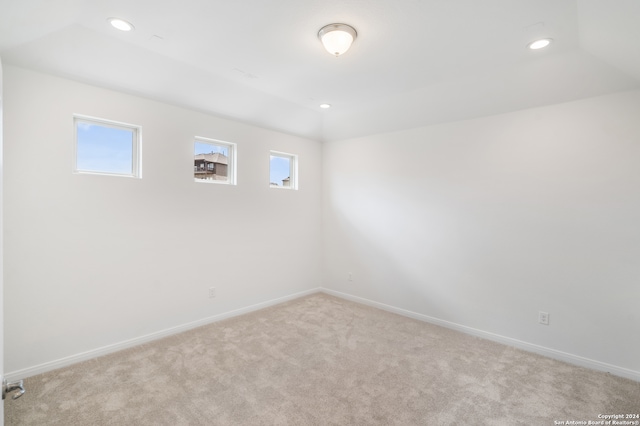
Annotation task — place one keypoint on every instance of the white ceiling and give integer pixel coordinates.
(414, 63)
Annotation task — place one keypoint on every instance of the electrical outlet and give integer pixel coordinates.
(543, 318)
(212, 292)
(350, 276)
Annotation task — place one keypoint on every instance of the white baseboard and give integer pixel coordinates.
(530, 347)
(551, 353)
(94, 353)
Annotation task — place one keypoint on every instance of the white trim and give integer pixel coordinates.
(94, 353)
(529, 347)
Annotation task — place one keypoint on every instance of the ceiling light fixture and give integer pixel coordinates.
(539, 44)
(325, 106)
(337, 38)
(120, 24)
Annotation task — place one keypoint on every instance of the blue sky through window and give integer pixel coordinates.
(104, 149)
(280, 168)
(207, 148)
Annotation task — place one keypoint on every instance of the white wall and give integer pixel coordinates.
(1, 248)
(92, 261)
(483, 223)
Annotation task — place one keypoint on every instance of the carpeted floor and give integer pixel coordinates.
(320, 360)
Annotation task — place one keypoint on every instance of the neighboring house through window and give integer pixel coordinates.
(214, 161)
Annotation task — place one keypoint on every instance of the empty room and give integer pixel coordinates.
(303, 212)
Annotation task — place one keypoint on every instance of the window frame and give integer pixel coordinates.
(232, 178)
(293, 169)
(136, 145)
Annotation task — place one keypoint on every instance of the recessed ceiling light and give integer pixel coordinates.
(120, 24)
(539, 44)
(325, 106)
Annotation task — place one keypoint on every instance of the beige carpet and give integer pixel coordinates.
(320, 360)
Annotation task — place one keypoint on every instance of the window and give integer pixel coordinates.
(283, 170)
(106, 147)
(214, 161)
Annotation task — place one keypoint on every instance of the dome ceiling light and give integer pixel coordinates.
(337, 38)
